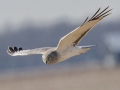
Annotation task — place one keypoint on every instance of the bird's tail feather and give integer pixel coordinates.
(84, 49)
(88, 46)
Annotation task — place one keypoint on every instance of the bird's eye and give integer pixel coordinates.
(49, 57)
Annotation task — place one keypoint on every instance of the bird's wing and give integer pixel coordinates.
(20, 52)
(73, 38)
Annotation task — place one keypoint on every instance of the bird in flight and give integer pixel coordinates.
(67, 46)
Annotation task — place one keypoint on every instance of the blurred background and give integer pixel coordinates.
(41, 23)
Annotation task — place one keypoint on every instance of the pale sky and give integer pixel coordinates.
(16, 12)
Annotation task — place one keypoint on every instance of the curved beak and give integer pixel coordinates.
(46, 62)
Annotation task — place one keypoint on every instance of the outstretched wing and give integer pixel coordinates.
(73, 38)
(20, 52)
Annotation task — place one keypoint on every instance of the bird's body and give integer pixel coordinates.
(67, 46)
(71, 51)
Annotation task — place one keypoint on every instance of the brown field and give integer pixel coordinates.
(68, 79)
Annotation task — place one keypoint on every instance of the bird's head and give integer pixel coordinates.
(50, 57)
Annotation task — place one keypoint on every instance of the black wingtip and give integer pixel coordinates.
(11, 49)
(98, 14)
(20, 49)
(15, 48)
(95, 14)
(85, 20)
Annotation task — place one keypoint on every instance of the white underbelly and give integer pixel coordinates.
(69, 52)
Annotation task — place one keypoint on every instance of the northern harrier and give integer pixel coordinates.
(67, 46)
